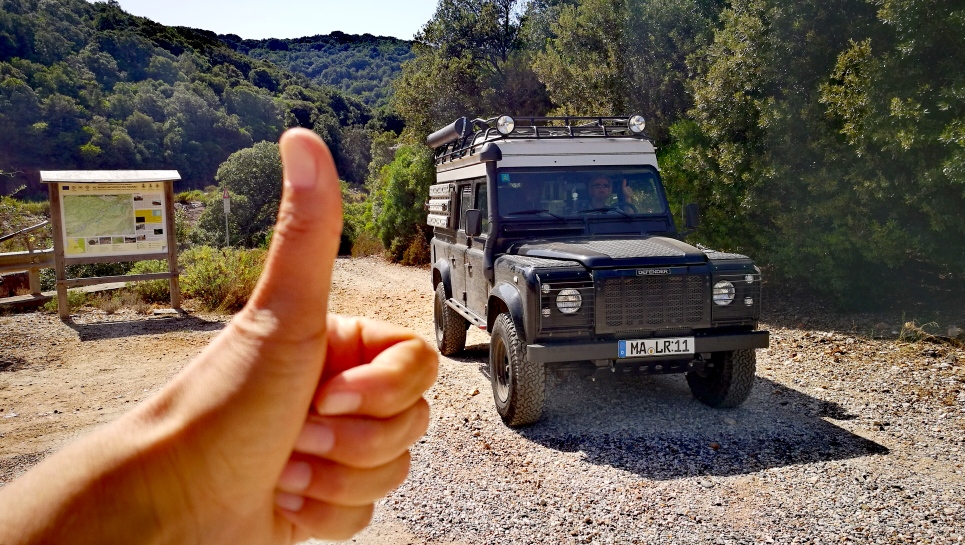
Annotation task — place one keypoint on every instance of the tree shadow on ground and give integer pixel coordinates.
(11, 363)
(653, 427)
(151, 326)
(790, 308)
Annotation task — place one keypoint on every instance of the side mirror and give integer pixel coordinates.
(473, 222)
(692, 216)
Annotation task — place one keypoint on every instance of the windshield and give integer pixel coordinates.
(580, 192)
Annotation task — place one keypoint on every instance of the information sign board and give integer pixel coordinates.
(113, 219)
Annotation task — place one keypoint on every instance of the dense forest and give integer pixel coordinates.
(824, 138)
(89, 86)
(361, 66)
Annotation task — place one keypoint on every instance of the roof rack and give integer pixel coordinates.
(464, 137)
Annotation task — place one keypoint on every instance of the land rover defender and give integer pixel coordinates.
(554, 235)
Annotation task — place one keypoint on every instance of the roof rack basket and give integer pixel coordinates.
(464, 137)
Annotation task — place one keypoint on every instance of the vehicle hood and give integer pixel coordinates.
(615, 252)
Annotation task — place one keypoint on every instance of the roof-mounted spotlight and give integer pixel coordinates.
(636, 124)
(459, 128)
(505, 124)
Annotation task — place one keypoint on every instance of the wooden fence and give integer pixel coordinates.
(31, 261)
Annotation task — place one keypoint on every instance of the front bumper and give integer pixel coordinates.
(608, 350)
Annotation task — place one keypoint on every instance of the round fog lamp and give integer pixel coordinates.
(569, 301)
(636, 124)
(505, 125)
(723, 293)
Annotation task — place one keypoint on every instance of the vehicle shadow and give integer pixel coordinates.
(475, 353)
(652, 426)
(151, 326)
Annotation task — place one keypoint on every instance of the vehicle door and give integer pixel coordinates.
(476, 283)
(457, 259)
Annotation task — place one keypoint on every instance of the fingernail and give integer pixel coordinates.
(298, 162)
(289, 502)
(295, 477)
(339, 403)
(315, 439)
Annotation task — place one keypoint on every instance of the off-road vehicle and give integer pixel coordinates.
(554, 235)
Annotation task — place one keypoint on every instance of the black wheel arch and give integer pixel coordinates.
(506, 298)
(442, 272)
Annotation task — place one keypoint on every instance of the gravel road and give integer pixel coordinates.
(846, 437)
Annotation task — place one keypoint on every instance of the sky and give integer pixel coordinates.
(289, 18)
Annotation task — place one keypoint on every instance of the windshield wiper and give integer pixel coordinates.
(533, 212)
(606, 209)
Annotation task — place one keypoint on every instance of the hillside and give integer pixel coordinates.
(89, 86)
(362, 66)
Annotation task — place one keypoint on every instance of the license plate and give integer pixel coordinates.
(645, 348)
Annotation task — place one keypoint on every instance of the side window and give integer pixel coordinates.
(482, 203)
(465, 203)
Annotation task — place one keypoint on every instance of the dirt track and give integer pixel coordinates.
(845, 436)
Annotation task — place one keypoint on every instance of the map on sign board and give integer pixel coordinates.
(113, 219)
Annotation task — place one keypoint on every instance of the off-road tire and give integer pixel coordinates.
(450, 326)
(519, 385)
(728, 383)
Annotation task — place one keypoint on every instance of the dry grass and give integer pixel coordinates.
(111, 303)
(367, 244)
(930, 332)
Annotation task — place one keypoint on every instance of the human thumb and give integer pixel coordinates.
(295, 283)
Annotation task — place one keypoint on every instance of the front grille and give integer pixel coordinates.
(653, 302)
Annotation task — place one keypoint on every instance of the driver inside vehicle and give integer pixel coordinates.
(601, 195)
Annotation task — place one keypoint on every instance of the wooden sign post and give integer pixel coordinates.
(108, 216)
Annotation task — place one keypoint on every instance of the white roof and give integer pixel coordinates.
(103, 176)
(559, 152)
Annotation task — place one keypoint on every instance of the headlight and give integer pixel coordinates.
(723, 293)
(505, 125)
(570, 301)
(636, 124)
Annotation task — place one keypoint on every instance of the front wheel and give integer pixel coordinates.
(728, 383)
(450, 325)
(519, 385)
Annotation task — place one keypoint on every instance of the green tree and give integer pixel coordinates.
(897, 97)
(617, 57)
(253, 178)
(398, 209)
(469, 60)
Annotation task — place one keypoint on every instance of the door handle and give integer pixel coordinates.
(468, 267)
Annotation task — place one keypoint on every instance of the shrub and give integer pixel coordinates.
(417, 252)
(151, 291)
(367, 244)
(108, 303)
(221, 279)
(182, 229)
(185, 197)
(75, 300)
(48, 277)
(403, 188)
(16, 215)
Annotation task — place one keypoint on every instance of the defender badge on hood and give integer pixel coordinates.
(645, 272)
